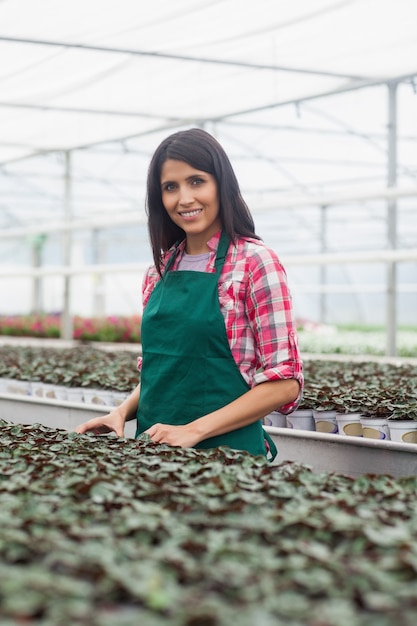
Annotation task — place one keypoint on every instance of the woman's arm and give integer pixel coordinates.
(116, 419)
(252, 406)
(268, 307)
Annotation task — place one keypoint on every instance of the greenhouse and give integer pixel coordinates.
(314, 102)
(323, 145)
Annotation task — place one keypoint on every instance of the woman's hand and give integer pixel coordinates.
(112, 422)
(180, 436)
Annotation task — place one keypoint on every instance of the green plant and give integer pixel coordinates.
(102, 531)
(374, 389)
(82, 366)
(407, 411)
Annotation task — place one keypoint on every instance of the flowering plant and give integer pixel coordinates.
(44, 326)
(111, 329)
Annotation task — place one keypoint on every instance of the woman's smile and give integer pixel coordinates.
(190, 214)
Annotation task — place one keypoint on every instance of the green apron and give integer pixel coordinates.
(188, 369)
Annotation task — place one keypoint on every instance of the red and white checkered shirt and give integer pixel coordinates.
(256, 304)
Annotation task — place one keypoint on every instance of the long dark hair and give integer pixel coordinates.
(202, 151)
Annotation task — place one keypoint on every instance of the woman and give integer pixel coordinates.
(218, 339)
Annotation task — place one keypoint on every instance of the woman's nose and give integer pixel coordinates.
(186, 196)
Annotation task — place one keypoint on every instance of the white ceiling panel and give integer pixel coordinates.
(80, 72)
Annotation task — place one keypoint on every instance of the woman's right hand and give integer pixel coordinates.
(112, 422)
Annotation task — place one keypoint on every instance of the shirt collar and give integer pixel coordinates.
(214, 241)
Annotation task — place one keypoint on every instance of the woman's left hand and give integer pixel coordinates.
(181, 436)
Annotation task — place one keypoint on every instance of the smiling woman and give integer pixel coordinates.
(218, 336)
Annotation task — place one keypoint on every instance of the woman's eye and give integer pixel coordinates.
(169, 187)
(197, 181)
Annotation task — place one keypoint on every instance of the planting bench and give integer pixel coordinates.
(30, 410)
(323, 452)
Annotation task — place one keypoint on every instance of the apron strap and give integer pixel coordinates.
(222, 249)
(172, 258)
(271, 448)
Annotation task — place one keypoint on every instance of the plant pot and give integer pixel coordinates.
(36, 389)
(75, 394)
(54, 392)
(275, 418)
(19, 387)
(301, 419)
(403, 430)
(98, 396)
(325, 421)
(375, 427)
(349, 424)
(119, 397)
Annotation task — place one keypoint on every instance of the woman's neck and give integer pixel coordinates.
(197, 244)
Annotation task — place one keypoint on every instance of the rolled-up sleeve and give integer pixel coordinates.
(270, 313)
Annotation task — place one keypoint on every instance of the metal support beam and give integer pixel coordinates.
(391, 297)
(68, 45)
(323, 268)
(99, 257)
(66, 318)
(37, 242)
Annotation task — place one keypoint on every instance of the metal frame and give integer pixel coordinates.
(391, 256)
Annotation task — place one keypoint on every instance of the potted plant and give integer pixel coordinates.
(349, 412)
(323, 399)
(402, 423)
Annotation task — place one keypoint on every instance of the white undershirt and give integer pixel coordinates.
(194, 262)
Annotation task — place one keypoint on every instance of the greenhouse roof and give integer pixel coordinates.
(313, 100)
(82, 72)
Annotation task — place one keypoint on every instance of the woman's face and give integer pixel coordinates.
(190, 197)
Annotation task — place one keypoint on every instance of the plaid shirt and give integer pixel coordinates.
(256, 304)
